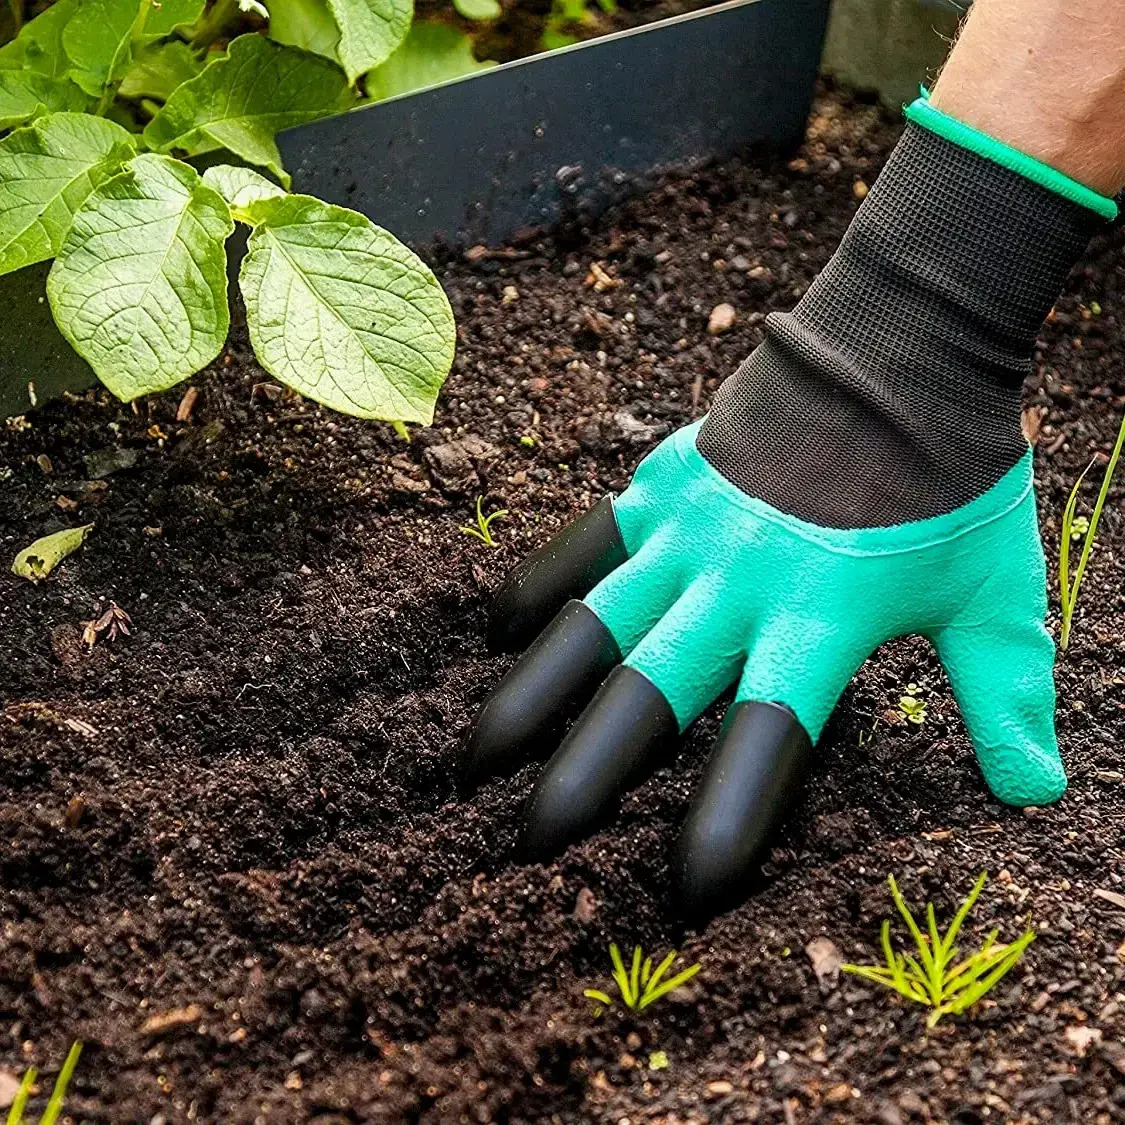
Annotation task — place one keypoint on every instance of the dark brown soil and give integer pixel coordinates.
(232, 859)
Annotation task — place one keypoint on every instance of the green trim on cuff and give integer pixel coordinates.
(922, 113)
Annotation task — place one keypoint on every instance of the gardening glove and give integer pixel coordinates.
(862, 476)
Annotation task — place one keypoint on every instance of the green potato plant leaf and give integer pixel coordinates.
(99, 36)
(242, 188)
(38, 560)
(139, 287)
(39, 44)
(336, 306)
(370, 30)
(478, 9)
(47, 170)
(432, 53)
(339, 310)
(26, 93)
(243, 98)
(159, 69)
(307, 24)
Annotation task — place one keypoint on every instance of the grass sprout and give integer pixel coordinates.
(935, 977)
(483, 529)
(1072, 530)
(640, 985)
(58, 1094)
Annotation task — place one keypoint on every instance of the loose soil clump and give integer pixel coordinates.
(232, 857)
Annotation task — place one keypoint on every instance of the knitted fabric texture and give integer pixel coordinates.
(891, 393)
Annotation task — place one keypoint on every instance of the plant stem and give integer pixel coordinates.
(58, 1094)
(122, 62)
(1071, 599)
(139, 23)
(214, 23)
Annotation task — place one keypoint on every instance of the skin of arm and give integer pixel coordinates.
(1048, 78)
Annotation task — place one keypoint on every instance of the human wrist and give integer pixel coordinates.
(892, 391)
(926, 114)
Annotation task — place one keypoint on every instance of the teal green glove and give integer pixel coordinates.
(720, 588)
(862, 476)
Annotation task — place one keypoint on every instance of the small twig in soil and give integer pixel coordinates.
(187, 405)
(115, 622)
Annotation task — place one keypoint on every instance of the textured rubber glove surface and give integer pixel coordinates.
(720, 587)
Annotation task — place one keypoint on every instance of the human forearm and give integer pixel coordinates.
(1048, 78)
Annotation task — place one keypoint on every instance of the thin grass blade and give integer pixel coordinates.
(971, 995)
(916, 981)
(987, 966)
(883, 977)
(871, 972)
(15, 1114)
(923, 946)
(974, 959)
(961, 915)
(646, 972)
(936, 949)
(894, 962)
(667, 986)
(619, 973)
(1065, 606)
(58, 1094)
(635, 977)
(660, 970)
(1099, 504)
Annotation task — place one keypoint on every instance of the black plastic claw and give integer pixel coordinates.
(609, 746)
(543, 689)
(569, 566)
(751, 779)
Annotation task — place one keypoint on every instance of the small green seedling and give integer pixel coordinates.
(58, 1094)
(1072, 529)
(912, 709)
(935, 977)
(642, 985)
(483, 529)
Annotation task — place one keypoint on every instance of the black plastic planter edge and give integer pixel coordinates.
(480, 158)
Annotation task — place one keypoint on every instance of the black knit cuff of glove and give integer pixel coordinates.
(891, 392)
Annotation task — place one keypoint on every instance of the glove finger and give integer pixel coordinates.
(571, 564)
(751, 779)
(634, 597)
(544, 688)
(675, 670)
(795, 672)
(612, 741)
(696, 650)
(1002, 676)
(559, 673)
